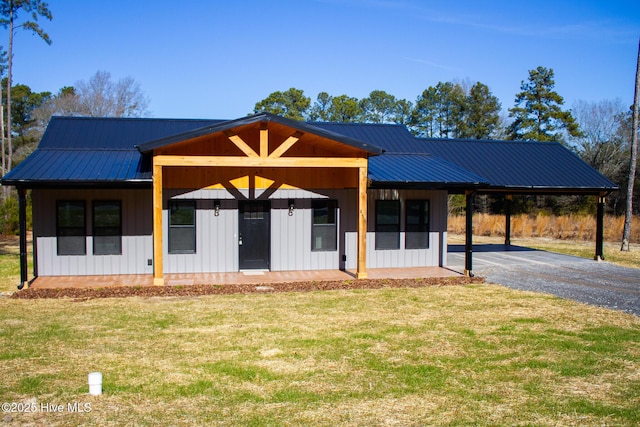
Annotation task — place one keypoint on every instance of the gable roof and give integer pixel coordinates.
(260, 118)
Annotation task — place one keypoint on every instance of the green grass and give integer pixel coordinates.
(474, 355)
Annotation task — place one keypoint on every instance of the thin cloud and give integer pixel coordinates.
(603, 30)
(431, 63)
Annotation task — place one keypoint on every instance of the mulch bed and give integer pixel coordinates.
(197, 290)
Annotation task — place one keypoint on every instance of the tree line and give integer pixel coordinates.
(599, 132)
(447, 110)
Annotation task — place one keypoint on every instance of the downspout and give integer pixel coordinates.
(22, 219)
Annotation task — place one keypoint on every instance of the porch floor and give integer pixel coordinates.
(248, 277)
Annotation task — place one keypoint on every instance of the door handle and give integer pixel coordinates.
(240, 240)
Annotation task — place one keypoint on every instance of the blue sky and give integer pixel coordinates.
(216, 59)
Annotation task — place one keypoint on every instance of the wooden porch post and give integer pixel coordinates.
(361, 272)
(600, 229)
(507, 225)
(158, 278)
(468, 247)
(22, 219)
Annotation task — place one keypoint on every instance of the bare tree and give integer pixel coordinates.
(601, 144)
(101, 97)
(626, 233)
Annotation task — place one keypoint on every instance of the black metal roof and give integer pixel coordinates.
(522, 166)
(112, 152)
(95, 151)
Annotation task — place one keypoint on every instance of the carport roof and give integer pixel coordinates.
(522, 166)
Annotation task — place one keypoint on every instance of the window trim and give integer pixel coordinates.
(194, 226)
(83, 203)
(424, 225)
(334, 224)
(94, 227)
(378, 226)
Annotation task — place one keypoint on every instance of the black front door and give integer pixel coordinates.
(255, 230)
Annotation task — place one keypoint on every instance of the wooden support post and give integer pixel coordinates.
(468, 246)
(361, 272)
(158, 277)
(600, 229)
(22, 219)
(507, 222)
(264, 140)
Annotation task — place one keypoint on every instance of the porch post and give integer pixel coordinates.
(361, 272)
(507, 225)
(600, 229)
(22, 219)
(468, 247)
(158, 278)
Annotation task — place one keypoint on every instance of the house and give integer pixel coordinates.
(157, 196)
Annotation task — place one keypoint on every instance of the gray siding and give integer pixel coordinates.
(217, 236)
(435, 255)
(216, 239)
(137, 229)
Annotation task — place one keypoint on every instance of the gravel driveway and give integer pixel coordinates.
(598, 283)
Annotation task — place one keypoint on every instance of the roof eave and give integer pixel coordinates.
(549, 190)
(55, 184)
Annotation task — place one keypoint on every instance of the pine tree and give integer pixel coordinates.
(537, 113)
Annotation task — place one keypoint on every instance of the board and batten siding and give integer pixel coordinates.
(137, 230)
(217, 236)
(433, 256)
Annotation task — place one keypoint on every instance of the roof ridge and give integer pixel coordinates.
(133, 119)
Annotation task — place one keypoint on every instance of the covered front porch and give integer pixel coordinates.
(258, 278)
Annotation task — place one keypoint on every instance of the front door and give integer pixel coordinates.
(254, 235)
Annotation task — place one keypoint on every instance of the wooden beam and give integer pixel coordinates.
(264, 140)
(288, 143)
(239, 142)
(285, 162)
(361, 271)
(158, 278)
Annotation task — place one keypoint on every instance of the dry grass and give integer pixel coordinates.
(572, 227)
(480, 355)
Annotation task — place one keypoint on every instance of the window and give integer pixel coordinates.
(417, 224)
(107, 228)
(387, 224)
(182, 227)
(324, 228)
(71, 228)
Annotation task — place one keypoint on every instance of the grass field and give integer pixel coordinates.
(480, 355)
(457, 355)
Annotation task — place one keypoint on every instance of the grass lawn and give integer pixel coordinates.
(457, 355)
(480, 354)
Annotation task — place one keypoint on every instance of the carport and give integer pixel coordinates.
(523, 168)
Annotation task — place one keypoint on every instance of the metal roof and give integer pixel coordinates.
(95, 151)
(112, 152)
(419, 170)
(522, 166)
